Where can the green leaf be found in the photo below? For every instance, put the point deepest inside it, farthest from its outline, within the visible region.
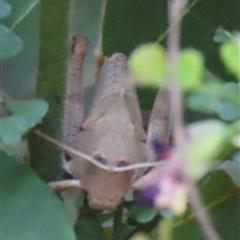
(202, 101)
(141, 214)
(30, 210)
(165, 229)
(140, 236)
(216, 186)
(127, 231)
(18, 150)
(20, 10)
(205, 139)
(232, 168)
(21, 85)
(236, 138)
(228, 92)
(148, 66)
(79, 202)
(88, 227)
(226, 221)
(32, 110)
(214, 94)
(221, 198)
(11, 44)
(230, 54)
(236, 157)
(128, 24)
(190, 69)
(228, 110)
(5, 9)
(27, 113)
(12, 129)
(222, 36)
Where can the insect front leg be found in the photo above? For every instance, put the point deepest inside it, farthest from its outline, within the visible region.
(74, 106)
(159, 130)
(159, 127)
(60, 186)
(73, 112)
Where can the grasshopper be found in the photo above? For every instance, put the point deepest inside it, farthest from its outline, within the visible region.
(112, 133)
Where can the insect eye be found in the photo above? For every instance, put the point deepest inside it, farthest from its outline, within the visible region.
(67, 157)
(122, 163)
(100, 159)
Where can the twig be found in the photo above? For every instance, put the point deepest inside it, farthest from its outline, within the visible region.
(201, 213)
(117, 223)
(165, 229)
(175, 12)
(59, 186)
(92, 160)
(98, 51)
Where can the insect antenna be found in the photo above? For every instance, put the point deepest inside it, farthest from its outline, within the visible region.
(92, 160)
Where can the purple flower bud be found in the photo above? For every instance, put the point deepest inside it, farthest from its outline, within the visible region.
(162, 151)
(146, 196)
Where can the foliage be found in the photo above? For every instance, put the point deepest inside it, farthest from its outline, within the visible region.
(208, 73)
(11, 43)
(148, 64)
(230, 52)
(29, 209)
(25, 115)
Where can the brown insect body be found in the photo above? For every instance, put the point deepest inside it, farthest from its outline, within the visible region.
(111, 140)
(112, 134)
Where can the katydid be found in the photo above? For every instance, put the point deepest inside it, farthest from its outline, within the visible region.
(112, 134)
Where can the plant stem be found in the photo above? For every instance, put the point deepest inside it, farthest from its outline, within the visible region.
(117, 223)
(53, 54)
(165, 229)
(175, 13)
(201, 213)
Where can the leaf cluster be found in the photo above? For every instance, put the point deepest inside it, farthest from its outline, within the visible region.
(208, 76)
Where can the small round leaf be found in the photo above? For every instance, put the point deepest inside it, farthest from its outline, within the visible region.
(202, 101)
(228, 111)
(32, 110)
(140, 236)
(11, 44)
(147, 64)
(12, 129)
(26, 114)
(205, 139)
(5, 9)
(222, 36)
(190, 69)
(230, 54)
(236, 141)
(142, 214)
